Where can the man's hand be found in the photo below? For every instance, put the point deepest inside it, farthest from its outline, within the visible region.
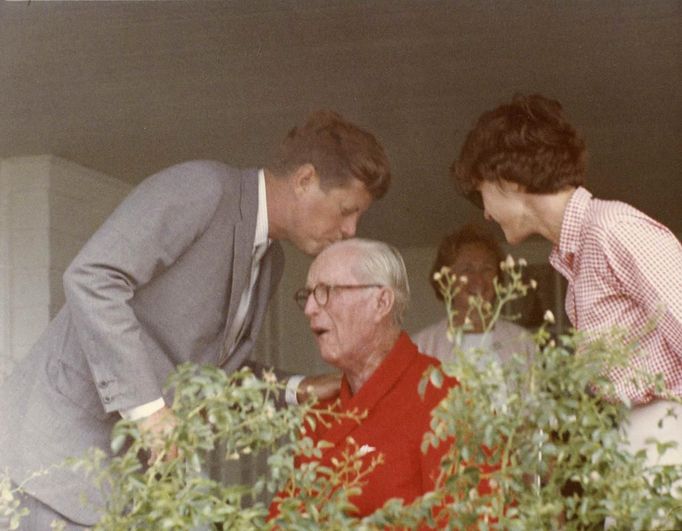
(157, 427)
(324, 386)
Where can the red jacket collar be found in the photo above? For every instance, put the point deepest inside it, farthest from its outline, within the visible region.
(375, 388)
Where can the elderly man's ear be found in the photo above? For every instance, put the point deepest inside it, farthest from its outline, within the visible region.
(384, 303)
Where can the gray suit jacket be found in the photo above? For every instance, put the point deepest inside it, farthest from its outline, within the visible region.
(157, 285)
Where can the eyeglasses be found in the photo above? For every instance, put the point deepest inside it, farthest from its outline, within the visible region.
(321, 292)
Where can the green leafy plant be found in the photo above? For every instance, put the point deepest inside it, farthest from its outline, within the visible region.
(541, 431)
(236, 413)
(546, 426)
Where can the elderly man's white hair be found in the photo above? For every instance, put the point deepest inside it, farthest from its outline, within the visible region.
(381, 263)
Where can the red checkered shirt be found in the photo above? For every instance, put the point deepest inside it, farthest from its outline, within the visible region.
(624, 270)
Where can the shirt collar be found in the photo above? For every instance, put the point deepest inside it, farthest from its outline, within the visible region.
(261, 237)
(382, 380)
(572, 223)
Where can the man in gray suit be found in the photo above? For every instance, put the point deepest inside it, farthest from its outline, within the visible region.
(181, 271)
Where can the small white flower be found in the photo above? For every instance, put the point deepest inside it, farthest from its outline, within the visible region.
(594, 476)
(365, 449)
(234, 456)
(269, 377)
(463, 279)
(549, 317)
(247, 450)
(510, 261)
(436, 276)
(5, 495)
(522, 262)
(533, 283)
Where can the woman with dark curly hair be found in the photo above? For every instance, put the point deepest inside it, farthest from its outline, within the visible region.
(526, 165)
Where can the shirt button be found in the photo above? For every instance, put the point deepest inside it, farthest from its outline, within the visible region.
(107, 399)
(103, 384)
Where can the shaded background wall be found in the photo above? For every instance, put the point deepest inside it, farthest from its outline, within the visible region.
(94, 96)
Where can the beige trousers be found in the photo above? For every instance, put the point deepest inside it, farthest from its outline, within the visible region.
(643, 425)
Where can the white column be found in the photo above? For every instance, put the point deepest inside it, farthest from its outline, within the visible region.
(49, 208)
(4, 275)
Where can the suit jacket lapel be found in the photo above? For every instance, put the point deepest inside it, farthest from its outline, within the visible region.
(375, 389)
(242, 248)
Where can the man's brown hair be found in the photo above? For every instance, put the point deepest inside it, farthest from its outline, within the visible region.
(529, 142)
(339, 151)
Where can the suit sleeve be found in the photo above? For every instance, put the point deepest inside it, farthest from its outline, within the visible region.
(144, 236)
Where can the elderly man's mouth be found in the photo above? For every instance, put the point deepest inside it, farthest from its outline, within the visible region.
(319, 332)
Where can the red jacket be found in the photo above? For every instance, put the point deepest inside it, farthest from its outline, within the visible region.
(397, 418)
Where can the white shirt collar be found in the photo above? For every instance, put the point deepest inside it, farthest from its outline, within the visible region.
(261, 237)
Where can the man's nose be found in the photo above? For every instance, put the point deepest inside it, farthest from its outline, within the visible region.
(311, 306)
(349, 226)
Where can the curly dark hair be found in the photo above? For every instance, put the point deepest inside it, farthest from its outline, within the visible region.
(527, 141)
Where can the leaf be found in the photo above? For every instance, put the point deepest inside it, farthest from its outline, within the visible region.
(117, 443)
(436, 378)
(421, 389)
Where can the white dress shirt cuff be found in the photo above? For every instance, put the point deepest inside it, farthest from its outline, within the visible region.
(140, 412)
(292, 386)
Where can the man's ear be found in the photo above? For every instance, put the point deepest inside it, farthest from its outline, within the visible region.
(305, 178)
(385, 303)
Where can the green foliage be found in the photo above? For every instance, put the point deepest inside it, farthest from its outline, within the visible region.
(541, 431)
(234, 412)
(10, 511)
(555, 455)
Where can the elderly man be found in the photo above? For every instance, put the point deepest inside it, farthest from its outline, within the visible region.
(527, 164)
(181, 271)
(355, 297)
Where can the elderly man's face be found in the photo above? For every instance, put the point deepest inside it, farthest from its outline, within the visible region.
(345, 326)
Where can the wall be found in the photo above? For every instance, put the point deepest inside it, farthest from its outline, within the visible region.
(48, 208)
